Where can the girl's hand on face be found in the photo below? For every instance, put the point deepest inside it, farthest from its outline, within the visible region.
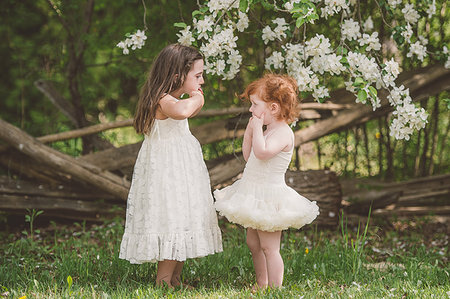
(257, 122)
(196, 92)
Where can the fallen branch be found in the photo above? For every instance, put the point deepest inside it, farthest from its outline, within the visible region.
(80, 171)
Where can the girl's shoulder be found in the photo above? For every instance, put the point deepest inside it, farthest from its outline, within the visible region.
(168, 97)
(283, 132)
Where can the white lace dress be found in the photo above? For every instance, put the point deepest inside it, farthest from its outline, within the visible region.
(262, 200)
(170, 212)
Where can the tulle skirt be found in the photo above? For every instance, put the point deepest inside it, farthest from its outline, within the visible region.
(266, 207)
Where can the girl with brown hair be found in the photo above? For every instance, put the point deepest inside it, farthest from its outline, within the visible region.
(170, 215)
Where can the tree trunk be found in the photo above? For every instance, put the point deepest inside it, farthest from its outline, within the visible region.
(389, 153)
(380, 148)
(435, 120)
(426, 142)
(366, 146)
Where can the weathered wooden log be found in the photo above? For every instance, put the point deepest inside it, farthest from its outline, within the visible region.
(373, 200)
(25, 188)
(321, 186)
(225, 168)
(413, 211)
(51, 158)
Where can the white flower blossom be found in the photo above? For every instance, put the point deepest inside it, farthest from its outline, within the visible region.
(368, 24)
(407, 33)
(361, 65)
(282, 26)
(242, 24)
(418, 50)
(392, 70)
(185, 36)
(397, 94)
(333, 64)
(370, 40)
(204, 26)
(408, 118)
(333, 7)
(276, 60)
(138, 39)
(394, 3)
(411, 15)
(135, 41)
(318, 46)
(217, 5)
(268, 35)
(431, 10)
(290, 4)
(349, 86)
(278, 33)
(350, 30)
(320, 92)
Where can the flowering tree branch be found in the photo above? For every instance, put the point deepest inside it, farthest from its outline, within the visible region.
(357, 59)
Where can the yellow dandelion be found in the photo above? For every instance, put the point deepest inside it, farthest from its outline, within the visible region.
(377, 135)
(306, 250)
(23, 297)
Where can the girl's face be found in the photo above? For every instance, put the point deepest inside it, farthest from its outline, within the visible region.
(259, 107)
(194, 78)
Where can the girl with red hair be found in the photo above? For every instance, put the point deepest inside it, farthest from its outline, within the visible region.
(261, 201)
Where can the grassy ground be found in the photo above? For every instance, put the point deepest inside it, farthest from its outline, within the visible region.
(399, 259)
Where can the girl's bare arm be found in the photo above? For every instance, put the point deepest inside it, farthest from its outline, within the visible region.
(183, 108)
(247, 142)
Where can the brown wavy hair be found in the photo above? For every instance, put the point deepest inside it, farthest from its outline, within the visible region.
(174, 59)
(281, 89)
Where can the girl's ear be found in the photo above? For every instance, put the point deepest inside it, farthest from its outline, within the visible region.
(274, 108)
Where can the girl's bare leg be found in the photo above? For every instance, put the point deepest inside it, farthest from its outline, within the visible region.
(176, 276)
(270, 245)
(259, 259)
(165, 272)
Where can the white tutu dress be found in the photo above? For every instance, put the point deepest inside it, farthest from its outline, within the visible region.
(170, 212)
(262, 200)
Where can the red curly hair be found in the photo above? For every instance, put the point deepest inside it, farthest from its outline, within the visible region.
(281, 89)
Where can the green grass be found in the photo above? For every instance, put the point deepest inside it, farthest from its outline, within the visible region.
(77, 261)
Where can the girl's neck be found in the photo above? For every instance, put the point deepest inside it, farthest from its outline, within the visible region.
(176, 94)
(276, 123)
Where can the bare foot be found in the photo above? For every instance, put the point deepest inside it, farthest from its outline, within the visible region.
(256, 288)
(177, 283)
(164, 284)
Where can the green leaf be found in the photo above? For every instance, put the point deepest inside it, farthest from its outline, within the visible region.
(243, 5)
(196, 12)
(180, 25)
(358, 81)
(373, 92)
(362, 95)
(299, 22)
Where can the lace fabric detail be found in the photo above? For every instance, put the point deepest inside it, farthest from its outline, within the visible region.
(170, 213)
